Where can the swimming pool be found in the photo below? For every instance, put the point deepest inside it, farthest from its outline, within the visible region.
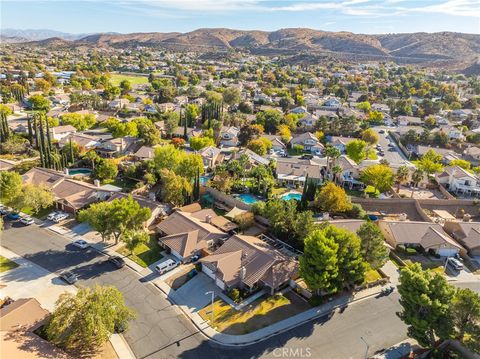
(247, 198)
(292, 195)
(204, 179)
(80, 172)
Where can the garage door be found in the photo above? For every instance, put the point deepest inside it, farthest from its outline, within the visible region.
(177, 255)
(220, 283)
(208, 271)
(447, 252)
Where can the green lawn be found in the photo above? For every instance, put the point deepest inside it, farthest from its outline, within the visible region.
(145, 253)
(6, 264)
(126, 184)
(259, 314)
(42, 213)
(371, 275)
(115, 79)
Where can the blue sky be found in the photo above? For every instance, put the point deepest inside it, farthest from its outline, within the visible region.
(359, 16)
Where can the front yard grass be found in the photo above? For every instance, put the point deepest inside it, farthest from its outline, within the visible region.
(259, 314)
(425, 262)
(371, 275)
(144, 254)
(6, 264)
(115, 79)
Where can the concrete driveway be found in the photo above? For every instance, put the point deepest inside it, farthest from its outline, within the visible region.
(192, 294)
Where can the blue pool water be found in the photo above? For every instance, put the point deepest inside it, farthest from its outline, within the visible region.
(296, 196)
(248, 198)
(204, 180)
(80, 171)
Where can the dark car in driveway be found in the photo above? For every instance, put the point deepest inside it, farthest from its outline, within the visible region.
(69, 277)
(117, 261)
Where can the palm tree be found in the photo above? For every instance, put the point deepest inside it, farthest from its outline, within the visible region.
(332, 153)
(401, 176)
(336, 170)
(417, 176)
(92, 156)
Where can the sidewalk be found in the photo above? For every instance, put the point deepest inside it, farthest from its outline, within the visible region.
(235, 340)
(267, 332)
(30, 280)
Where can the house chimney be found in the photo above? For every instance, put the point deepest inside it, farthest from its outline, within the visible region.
(402, 217)
(208, 218)
(467, 217)
(66, 170)
(96, 183)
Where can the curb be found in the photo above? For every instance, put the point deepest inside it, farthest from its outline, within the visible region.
(280, 331)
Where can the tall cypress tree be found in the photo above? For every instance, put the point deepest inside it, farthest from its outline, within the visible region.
(30, 132)
(43, 146)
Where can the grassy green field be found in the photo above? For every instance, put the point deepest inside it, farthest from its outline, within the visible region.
(144, 254)
(115, 79)
(6, 264)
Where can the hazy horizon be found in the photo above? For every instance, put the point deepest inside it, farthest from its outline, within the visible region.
(129, 16)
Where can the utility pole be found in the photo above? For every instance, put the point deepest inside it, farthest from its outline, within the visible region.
(368, 347)
(213, 314)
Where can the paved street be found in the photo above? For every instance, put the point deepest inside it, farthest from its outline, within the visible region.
(392, 154)
(160, 332)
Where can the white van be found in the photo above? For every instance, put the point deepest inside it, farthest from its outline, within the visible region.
(166, 266)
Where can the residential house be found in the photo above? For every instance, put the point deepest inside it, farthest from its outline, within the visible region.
(458, 180)
(81, 139)
(187, 234)
(353, 225)
(70, 195)
(191, 132)
(425, 235)
(409, 121)
(118, 103)
(18, 322)
(116, 146)
(295, 171)
(308, 121)
(331, 104)
(144, 153)
(465, 233)
(166, 107)
(472, 154)
(298, 110)
(229, 136)
(309, 142)
(211, 156)
(350, 173)
(248, 263)
(59, 132)
(340, 143)
(253, 158)
(277, 143)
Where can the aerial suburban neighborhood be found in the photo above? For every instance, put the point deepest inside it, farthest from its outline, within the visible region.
(180, 195)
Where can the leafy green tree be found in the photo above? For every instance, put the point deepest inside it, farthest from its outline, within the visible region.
(258, 146)
(98, 217)
(175, 188)
(364, 106)
(106, 170)
(465, 308)
(128, 216)
(249, 132)
(374, 251)
(466, 165)
(270, 120)
(357, 150)
(231, 96)
(319, 263)
(425, 301)
(333, 199)
(430, 162)
(39, 103)
(370, 136)
(147, 131)
(171, 122)
(191, 113)
(79, 121)
(379, 176)
(125, 86)
(133, 239)
(33, 197)
(197, 142)
(10, 186)
(86, 320)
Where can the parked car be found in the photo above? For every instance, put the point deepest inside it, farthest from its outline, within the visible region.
(80, 243)
(13, 216)
(69, 277)
(166, 266)
(306, 157)
(194, 258)
(52, 215)
(27, 220)
(455, 263)
(381, 131)
(60, 217)
(117, 261)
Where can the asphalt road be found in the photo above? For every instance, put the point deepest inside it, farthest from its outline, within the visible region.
(393, 155)
(161, 332)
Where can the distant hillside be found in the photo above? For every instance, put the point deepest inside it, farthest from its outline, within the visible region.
(38, 34)
(445, 47)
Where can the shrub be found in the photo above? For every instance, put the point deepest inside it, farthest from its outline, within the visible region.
(357, 211)
(411, 251)
(234, 295)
